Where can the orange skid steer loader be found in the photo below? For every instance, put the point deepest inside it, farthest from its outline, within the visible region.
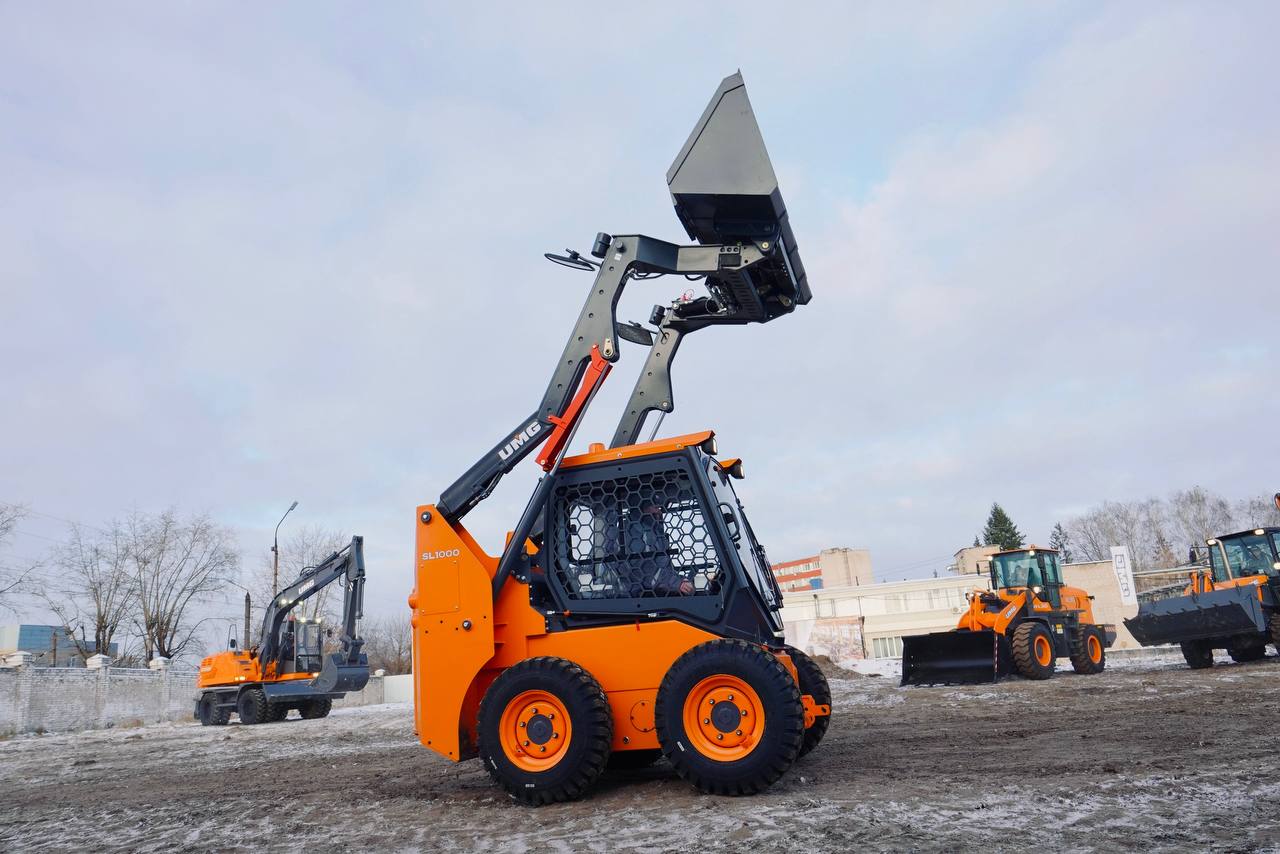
(632, 612)
(1023, 624)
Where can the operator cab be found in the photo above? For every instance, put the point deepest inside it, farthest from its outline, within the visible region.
(1245, 554)
(1032, 568)
(301, 642)
(654, 531)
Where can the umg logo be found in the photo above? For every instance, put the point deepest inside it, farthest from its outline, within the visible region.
(440, 554)
(534, 428)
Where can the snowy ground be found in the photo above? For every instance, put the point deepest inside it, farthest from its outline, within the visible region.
(1145, 756)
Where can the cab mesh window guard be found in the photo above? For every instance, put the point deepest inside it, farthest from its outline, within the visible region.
(637, 536)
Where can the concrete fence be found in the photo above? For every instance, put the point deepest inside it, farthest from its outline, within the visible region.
(64, 699)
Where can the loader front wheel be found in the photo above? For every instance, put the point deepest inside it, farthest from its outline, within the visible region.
(1243, 652)
(1033, 652)
(1274, 625)
(1088, 651)
(814, 683)
(252, 707)
(545, 730)
(1198, 654)
(316, 709)
(729, 717)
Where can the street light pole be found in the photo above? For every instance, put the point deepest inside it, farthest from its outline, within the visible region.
(275, 551)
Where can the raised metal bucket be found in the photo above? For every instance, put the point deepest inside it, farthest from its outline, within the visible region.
(339, 676)
(1216, 614)
(955, 658)
(725, 192)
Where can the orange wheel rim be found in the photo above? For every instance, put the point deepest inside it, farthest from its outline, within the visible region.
(1095, 649)
(1043, 650)
(535, 731)
(723, 718)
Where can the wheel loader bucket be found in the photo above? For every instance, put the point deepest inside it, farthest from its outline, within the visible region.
(725, 192)
(955, 658)
(1216, 614)
(338, 676)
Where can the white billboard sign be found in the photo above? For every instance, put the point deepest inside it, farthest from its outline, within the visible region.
(1122, 564)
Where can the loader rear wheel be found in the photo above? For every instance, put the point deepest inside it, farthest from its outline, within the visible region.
(252, 707)
(729, 717)
(544, 730)
(1274, 625)
(1033, 653)
(1241, 653)
(814, 683)
(1088, 651)
(1198, 654)
(318, 708)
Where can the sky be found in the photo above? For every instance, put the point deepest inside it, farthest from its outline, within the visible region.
(251, 255)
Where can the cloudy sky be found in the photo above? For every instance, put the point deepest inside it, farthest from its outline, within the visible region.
(252, 255)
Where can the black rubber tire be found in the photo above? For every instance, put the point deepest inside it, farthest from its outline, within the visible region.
(205, 710)
(1080, 660)
(585, 756)
(1274, 625)
(317, 708)
(813, 682)
(779, 696)
(1241, 653)
(1198, 654)
(632, 760)
(1024, 659)
(277, 712)
(252, 707)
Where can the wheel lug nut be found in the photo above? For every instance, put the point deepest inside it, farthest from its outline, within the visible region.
(739, 732)
(711, 701)
(522, 725)
(730, 696)
(744, 713)
(551, 717)
(543, 748)
(720, 737)
(526, 743)
(706, 720)
(535, 710)
(555, 735)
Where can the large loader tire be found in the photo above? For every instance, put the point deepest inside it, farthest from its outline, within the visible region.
(1033, 652)
(813, 682)
(1198, 654)
(315, 709)
(729, 717)
(1274, 625)
(545, 730)
(277, 712)
(1089, 650)
(252, 707)
(1247, 651)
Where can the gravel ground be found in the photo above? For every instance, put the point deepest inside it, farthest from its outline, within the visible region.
(1141, 757)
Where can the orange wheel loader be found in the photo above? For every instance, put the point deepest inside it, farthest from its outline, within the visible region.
(1023, 624)
(631, 613)
(288, 668)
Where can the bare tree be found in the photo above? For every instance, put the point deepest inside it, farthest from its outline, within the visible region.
(95, 590)
(1138, 524)
(304, 547)
(388, 642)
(11, 577)
(176, 565)
(1197, 514)
(1256, 512)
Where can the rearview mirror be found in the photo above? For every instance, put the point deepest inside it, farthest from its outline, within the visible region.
(231, 643)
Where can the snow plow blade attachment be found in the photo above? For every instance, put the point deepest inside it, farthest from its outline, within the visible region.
(725, 192)
(1215, 614)
(955, 658)
(339, 677)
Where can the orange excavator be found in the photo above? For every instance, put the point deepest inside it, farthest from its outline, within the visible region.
(1023, 624)
(288, 668)
(631, 613)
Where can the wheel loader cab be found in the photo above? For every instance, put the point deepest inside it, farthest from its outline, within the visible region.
(1246, 554)
(657, 534)
(1029, 568)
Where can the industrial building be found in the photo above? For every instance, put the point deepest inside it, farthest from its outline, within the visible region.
(50, 646)
(839, 567)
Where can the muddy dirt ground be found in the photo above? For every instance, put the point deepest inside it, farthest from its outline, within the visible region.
(1141, 757)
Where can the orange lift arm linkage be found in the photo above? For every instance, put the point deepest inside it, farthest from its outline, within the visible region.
(597, 370)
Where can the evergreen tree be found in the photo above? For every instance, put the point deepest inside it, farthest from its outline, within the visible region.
(976, 544)
(1059, 539)
(1000, 530)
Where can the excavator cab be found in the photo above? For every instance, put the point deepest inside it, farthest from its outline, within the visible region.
(302, 646)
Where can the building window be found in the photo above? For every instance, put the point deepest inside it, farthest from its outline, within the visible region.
(886, 647)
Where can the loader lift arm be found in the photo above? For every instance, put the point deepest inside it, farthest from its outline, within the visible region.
(746, 251)
(346, 564)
